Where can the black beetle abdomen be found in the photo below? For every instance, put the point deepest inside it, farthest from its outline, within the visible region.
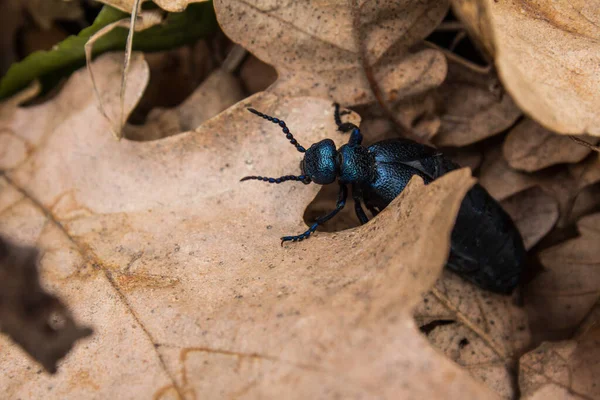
(486, 247)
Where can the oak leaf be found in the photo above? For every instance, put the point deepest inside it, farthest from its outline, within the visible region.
(178, 266)
(547, 54)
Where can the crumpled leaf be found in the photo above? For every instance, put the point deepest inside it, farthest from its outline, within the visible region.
(565, 370)
(470, 109)
(560, 297)
(502, 181)
(481, 331)
(34, 319)
(547, 54)
(317, 53)
(531, 147)
(534, 212)
(179, 267)
(218, 92)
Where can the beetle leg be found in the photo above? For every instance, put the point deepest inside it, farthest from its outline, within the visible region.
(341, 202)
(373, 210)
(355, 135)
(301, 178)
(357, 197)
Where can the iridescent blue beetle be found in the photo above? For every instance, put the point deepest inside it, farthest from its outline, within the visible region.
(486, 247)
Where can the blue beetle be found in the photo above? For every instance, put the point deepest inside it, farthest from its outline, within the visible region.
(486, 247)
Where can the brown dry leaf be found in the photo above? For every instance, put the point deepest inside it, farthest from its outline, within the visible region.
(502, 182)
(588, 172)
(565, 370)
(481, 331)
(167, 5)
(217, 93)
(531, 147)
(35, 320)
(547, 54)
(560, 297)
(534, 212)
(257, 75)
(178, 265)
(470, 109)
(45, 12)
(314, 45)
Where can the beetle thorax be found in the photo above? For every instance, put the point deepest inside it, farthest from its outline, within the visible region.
(356, 164)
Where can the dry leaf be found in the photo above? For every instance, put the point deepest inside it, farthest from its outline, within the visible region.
(531, 147)
(560, 297)
(564, 370)
(588, 172)
(35, 320)
(314, 48)
(465, 157)
(45, 12)
(547, 54)
(481, 331)
(470, 110)
(502, 182)
(168, 5)
(257, 75)
(179, 267)
(174, 75)
(534, 212)
(218, 92)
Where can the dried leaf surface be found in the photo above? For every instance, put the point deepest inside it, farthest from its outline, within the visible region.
(471, 110)
(548, 57)
(483, 332)
(179, 267)
(502, 181)
(534, 212)
(564, 370)
(314, 45)
(531, 147)
(560, 297)
(218, 92)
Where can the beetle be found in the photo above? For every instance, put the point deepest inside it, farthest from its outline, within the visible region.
(486, 247)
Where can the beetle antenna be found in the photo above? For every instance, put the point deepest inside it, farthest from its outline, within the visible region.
(283, 126)
(301, 178)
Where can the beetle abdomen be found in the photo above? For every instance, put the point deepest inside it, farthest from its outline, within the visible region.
(486, 247)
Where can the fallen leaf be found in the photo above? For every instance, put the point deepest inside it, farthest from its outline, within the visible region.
(470, 111)
(316, 51)
(531, 147)
(502, 181)
(218, 92)
(465, 157)
(168, 5)
(481, 331)
(534, 212)
(34, 319)
(547, 54)
(178, 265)
(565, 370)
(45, 12)
(257, 75)
(560, 297)
(588, 172)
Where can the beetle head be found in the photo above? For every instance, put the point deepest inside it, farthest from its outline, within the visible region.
(320, 162)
